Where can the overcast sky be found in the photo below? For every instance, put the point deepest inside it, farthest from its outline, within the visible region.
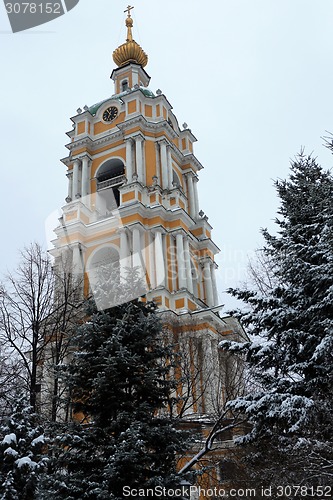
(252, 78)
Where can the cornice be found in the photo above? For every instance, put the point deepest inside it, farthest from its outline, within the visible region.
(135, 225)
(159, 229)
(156, 210)
(181, 231)
(210, 315)
(193, 159)
(162, 97)
(108, 138)
(189, 133)
(94, 143)
(204, 313)
(158, 126)
(124, 69)
(78, 231)
(66, 161)
(84, 141)
(208, 243)
(115, 135)
(203, 223)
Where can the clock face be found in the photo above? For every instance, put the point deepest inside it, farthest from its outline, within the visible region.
(110, 114)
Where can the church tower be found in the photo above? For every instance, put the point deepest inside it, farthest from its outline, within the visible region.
(133, 202)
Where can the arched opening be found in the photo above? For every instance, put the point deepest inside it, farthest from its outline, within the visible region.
(104, 276)
(124, 85)
(110, 170)
(175, 179)
(106, 256)
(170, 123)
(110, 176)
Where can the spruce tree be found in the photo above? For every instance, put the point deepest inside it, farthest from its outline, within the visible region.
(22, 452)
(120, 385)
(291, 355)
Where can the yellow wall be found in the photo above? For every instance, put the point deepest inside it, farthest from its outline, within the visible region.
(103, 127)
(150, 161)
(81, 127)
(180, 303)
(148, 111)
(128, 196)
(132, 106)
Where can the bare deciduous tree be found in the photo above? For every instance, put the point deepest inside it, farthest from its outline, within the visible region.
(66, 313)
(38, 307)
(207, 378)
(261, 272)
(26, 300)
(10, 378)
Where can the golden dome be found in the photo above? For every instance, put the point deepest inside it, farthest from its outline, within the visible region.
(130, 51)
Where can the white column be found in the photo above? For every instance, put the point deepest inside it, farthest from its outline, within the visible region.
(85, 176)
(70, 187)
(201, 283)
(190, 196)
(181, 261)
(187, 257)
(139, 158)
(77, 266)
(170, 176)
(164, 165)
(76, 187)
(124, 253)
(142, 253)
(159, 259)
(195, 281)
(215, 294)
(165, 259)
(173, 262)
(196, 198)
(209, 375)
(152, 277)
(129, 160)
(208, 283)
(136, 256)
(158, 164)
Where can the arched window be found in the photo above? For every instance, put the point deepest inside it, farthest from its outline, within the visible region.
(104, 276)
(170, 123)
(105, 256)
(124, 85)
(175, 179)
(110, 169)
(110, 175)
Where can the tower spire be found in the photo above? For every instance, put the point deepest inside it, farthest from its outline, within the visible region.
(130, 51)
(129, 24)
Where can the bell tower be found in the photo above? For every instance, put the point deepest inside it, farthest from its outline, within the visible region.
(133, 200)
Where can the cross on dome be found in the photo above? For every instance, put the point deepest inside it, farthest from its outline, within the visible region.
(128, 10)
